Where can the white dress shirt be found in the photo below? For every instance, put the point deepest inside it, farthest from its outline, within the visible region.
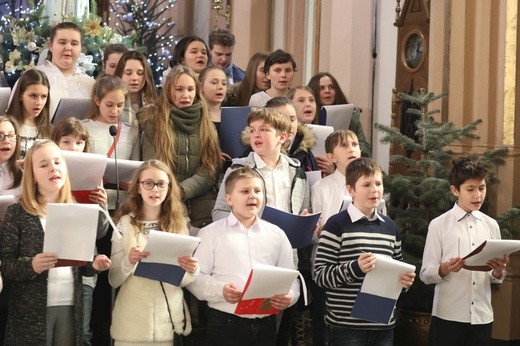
(464, 296)
(327, 195)
(278, 182)
(227, 253)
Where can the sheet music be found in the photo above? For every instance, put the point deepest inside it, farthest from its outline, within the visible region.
(321, 132)
(489, 249)
(126, 169)
(165, 247)
(85, 169)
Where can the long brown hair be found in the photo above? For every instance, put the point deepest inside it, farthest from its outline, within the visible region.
(148, 92)
(172, 218)
(103, 86)
(29, 197)
(314, 84)
(16, 109)
(248, 86)
(14, 168)
(164, 139)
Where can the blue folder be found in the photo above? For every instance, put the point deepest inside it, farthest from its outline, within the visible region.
(373, 308)
(232, 121)
(299, 229)
(168, 273)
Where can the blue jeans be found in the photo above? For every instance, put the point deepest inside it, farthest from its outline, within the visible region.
(359, 337)
(88, 293)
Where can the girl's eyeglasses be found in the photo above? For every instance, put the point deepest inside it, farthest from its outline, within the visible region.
(10, 137)
(150, 184)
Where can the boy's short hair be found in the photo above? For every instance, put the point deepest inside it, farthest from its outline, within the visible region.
(279, 101)
(244, 172)
(270, 116)
(278, 57)
(465, 168)
(222, 37)
(338, 137)
(362, 167)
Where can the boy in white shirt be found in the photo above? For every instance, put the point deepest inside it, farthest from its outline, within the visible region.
(328, 194)
(229, 248)
(462, 312)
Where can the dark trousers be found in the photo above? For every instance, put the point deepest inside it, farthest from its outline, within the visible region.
(360, 337)
(319, 329)
(229, 330)
(449, 333)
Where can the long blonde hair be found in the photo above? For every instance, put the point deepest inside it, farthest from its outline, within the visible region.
(165, 130)
(172, 218)
(29, 197)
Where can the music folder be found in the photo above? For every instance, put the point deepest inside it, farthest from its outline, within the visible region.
(165, 248)
(264, 282)
(5, 93)
(233, 120)
(77, 107)
(381, 287)
(337, 116)
(298, 228)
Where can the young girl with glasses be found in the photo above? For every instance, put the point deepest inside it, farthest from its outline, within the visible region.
(11, 174)
(148, 312)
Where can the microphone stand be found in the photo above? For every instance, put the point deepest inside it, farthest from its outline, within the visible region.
(113, 132)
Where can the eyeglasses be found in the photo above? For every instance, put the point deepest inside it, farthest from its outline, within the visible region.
(10, 137)
(150, 184)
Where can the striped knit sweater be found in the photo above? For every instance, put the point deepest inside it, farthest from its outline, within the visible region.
(337, 270)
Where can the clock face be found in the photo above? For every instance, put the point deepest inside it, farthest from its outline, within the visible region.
(414, 50)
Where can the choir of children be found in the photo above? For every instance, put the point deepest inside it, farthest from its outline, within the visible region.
(175, 191)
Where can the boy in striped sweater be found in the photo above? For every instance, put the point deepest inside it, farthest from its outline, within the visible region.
(345, 254)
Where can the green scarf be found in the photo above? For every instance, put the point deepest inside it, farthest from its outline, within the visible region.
(187, 119)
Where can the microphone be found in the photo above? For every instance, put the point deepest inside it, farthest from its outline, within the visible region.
(113, 132)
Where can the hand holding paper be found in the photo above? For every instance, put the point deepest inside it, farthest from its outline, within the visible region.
(136, 254)
(381, 287)
(166, 257)
(490, 249)
(43, 261)
(265, 283)
(231, 294)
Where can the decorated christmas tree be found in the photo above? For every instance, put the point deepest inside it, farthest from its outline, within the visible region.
(148, 29)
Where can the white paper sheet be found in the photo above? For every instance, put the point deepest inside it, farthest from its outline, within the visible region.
(268, 281)
(85, 169)
(126, 169)
(338, 116)
(321, 132)
(313, 177)
(70, 230)
(383, 281)
(493, 248)
(167, 247)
